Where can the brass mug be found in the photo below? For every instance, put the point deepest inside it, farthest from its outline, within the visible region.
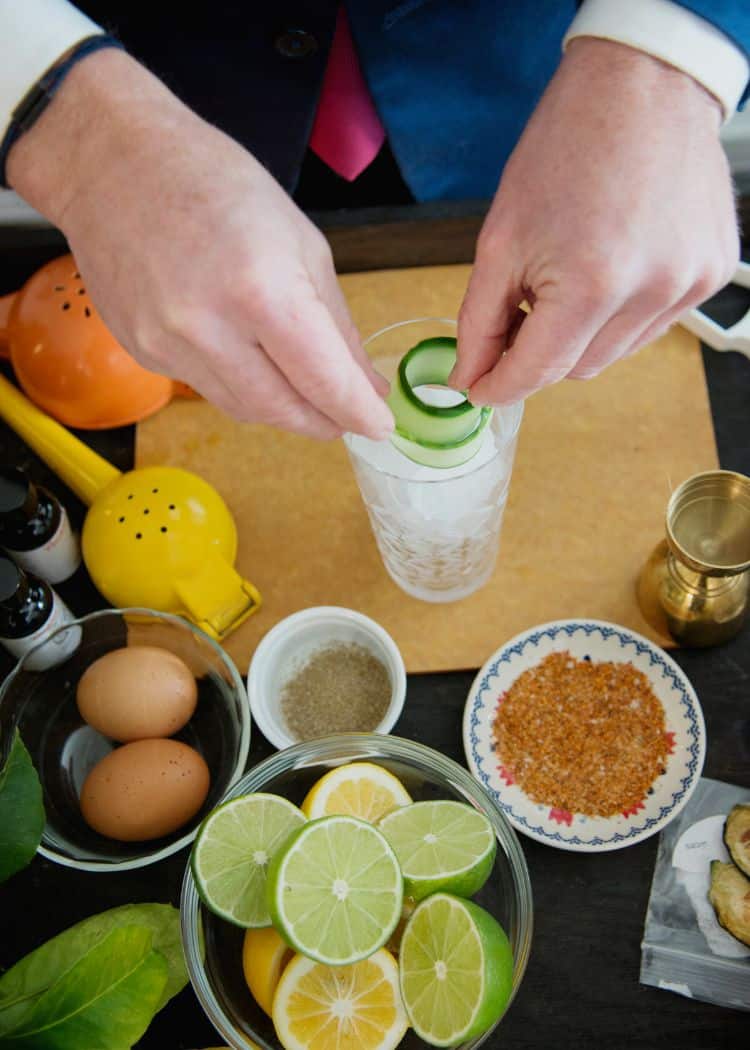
(695, 585)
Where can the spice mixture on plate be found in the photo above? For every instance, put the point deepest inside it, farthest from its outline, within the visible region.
(341, 688)
(580, 736)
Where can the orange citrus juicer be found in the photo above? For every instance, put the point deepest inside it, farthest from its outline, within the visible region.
(66, 359)
(157, 537)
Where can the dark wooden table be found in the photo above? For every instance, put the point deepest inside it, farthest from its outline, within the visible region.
(581, 989)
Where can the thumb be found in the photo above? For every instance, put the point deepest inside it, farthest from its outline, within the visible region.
(550, 342)
(487, 321)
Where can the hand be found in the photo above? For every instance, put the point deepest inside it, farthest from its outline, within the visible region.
(614, 215)
(201, 266)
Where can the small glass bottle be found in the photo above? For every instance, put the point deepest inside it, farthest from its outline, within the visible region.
(31, 611)
(35, 529)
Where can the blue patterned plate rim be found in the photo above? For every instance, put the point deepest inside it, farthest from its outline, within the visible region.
(584, 834)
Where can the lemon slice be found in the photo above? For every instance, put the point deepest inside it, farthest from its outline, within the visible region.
(335, 890)
(355, 1007)
(456, 968)
(264, 956)
(441, 845)
(231, 854)
(357, 789)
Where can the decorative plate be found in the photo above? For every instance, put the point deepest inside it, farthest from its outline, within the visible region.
(599, 642)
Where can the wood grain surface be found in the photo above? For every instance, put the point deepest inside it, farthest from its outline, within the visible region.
(595, 465)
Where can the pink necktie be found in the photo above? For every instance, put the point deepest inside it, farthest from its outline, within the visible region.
(347, 133)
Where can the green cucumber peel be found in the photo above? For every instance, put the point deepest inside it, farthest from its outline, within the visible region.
(433, 435)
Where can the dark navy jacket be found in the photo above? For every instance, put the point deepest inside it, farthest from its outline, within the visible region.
(454, 81)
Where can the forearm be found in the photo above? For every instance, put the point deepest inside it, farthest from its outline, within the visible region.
(106, 104)
(675, 35)
(634, 81)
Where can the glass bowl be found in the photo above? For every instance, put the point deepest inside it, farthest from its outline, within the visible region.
(213, 947)
(41, 704)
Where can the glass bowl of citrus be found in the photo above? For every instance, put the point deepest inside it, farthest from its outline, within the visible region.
(356, 892)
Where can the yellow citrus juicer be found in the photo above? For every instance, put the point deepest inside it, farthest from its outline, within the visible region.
(157, 537)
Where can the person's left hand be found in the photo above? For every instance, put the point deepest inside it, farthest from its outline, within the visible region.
(615, 214)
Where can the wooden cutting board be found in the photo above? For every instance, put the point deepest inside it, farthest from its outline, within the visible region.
(595, 465)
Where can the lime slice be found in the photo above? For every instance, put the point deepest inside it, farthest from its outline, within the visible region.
(231, 853)
(335, 890)
(441, 845)
(456, 969)
(356, 789)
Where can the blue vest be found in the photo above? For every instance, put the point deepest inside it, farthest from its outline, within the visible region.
(454, 81)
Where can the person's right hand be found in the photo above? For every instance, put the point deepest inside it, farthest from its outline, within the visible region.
(199, 263)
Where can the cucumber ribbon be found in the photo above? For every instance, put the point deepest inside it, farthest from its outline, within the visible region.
(433, 435)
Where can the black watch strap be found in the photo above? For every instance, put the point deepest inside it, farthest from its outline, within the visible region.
(39, 96)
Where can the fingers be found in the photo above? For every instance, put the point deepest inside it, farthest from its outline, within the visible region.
(580, 334)
(644, 318)
(276, 357)
(614, 338)
(259, 393)
(331, 294)
(305, 344)
(549, 344)
(659, 326)
(486, 322)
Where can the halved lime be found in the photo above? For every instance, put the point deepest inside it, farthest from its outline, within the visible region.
(232, 850)
(441, 845)
(456, 968)
(335, 890)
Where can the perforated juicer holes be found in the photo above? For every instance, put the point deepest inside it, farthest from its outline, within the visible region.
(66, 304)
(146, 512)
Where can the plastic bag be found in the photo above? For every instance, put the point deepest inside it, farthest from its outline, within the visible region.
(684, 949)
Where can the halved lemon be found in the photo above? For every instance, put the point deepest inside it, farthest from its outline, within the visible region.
(357, 789)
(264, 956)
(355, 1007)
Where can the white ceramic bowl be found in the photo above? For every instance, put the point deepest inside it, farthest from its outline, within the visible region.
(289, 644)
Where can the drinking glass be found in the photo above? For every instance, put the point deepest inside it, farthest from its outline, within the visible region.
(437, 530)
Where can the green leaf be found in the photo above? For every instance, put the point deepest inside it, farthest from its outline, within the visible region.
(22, 985)
(105, 1002)
(21, 811)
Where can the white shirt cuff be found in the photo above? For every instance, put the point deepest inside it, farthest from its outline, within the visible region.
(673, 34)
(33, 35)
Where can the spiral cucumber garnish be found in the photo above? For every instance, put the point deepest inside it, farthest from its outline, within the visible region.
(433, 435)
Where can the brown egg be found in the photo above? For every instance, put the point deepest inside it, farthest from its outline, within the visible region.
(137, 693)
(144, 790)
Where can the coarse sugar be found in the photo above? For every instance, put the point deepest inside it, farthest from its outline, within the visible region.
(581, 736)
(342, 687)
